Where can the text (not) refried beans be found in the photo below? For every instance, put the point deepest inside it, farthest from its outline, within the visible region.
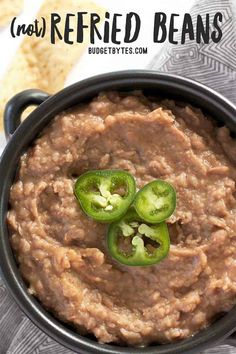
(62, 254)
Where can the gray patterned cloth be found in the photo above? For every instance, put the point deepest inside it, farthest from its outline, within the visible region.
(213, 65)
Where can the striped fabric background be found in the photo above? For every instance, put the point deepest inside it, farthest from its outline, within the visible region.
(213, 65)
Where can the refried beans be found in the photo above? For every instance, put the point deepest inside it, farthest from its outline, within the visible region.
(62, 254)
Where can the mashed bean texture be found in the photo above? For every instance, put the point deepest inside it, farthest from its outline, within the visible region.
(62, 254)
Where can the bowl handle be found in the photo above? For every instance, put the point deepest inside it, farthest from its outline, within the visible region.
(16, 106)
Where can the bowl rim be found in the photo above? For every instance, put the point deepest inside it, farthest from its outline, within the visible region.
(15, 147)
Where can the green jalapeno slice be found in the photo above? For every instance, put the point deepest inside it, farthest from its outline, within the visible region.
(156, 201)
(133, 242)
(105, 195)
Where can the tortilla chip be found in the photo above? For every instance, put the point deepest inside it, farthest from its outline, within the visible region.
(9, 9)
(40, 64)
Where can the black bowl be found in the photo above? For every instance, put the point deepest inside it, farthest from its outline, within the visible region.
(151, 83)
